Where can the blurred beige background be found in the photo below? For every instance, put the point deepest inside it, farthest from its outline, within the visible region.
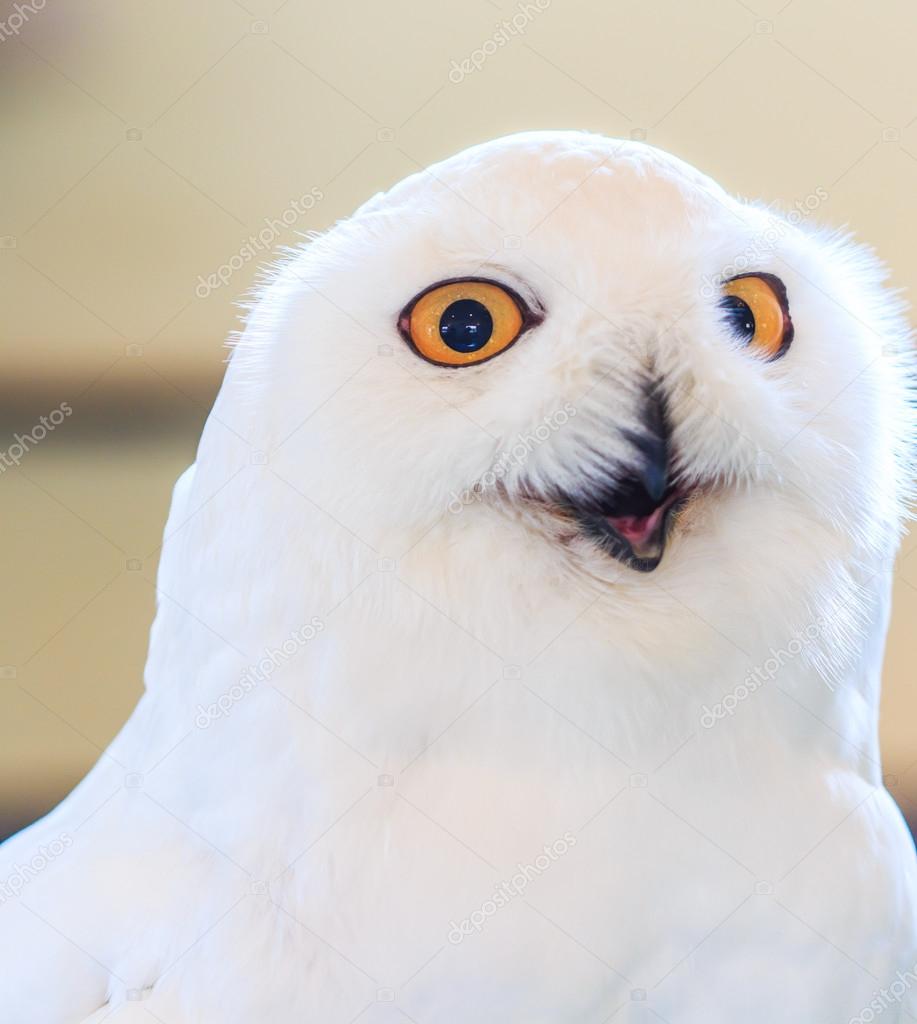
(154, 151)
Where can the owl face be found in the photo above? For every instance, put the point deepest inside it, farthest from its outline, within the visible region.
(595, 341)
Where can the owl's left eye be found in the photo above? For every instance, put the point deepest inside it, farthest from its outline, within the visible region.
(461, 323)
(756, 309)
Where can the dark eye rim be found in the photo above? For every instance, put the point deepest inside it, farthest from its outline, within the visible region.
(530, 318)
(779, 289)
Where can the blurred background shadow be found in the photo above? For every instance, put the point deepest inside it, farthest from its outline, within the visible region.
(155, 154)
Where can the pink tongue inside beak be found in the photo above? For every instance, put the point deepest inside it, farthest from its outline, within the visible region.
(638, 530)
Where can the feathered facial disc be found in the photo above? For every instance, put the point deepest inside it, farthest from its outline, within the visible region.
(594, 339)
(625, 508)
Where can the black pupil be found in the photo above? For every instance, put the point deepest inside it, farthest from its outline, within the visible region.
(738, 316)
(466, 325)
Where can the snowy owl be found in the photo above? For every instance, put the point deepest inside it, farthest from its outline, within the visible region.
(519, 634)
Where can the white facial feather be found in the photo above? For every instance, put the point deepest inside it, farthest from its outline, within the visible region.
(482, 677)
(622, 247)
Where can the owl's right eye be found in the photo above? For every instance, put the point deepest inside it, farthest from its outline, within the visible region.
(756, 310)
(462, 323)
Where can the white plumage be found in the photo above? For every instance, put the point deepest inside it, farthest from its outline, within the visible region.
(390, 671)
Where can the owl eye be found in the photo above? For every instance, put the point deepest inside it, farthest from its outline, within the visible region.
(755, 308)
(460, 323)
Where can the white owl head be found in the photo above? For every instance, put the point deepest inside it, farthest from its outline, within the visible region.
(591, 340)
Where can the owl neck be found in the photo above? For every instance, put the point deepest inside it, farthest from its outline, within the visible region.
(259, 589)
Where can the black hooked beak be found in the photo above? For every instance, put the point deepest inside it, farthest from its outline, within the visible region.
(630, 517)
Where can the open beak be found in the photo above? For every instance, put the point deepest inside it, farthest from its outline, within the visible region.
(630, 518)
(634, 526)
(631, 522)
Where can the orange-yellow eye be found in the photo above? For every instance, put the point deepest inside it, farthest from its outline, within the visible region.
(755, 308)
(460, 323)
